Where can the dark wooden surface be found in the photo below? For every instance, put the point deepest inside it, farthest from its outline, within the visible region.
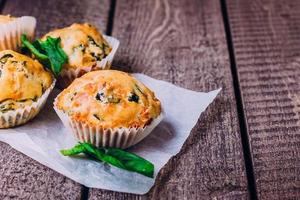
(57, 14)
(266, 39)
(185, 42)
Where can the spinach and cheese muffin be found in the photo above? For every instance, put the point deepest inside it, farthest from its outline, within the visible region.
(109, 108)
(87, 50)
(11, 29)
(25, 86)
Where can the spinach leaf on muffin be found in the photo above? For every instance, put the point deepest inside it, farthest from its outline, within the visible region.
(48, 52)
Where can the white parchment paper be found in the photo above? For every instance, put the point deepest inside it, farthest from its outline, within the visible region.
(43, 137)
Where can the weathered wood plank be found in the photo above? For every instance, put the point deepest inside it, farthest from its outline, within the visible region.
(20, 176)
(57, 14)
(266, 38)
(183, 42)
(23, 178)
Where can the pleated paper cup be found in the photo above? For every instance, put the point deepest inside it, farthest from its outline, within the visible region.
(68, 75)
(116, 137)
(10, 33)
(22, 115)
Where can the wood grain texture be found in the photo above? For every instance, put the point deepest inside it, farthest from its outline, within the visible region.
(20, 176)
(57, 14)
(266, 39)
(183, 42)
(23, 178)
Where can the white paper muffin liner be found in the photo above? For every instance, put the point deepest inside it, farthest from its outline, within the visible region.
(68, 75)
(117, 137)
(10, 33)
(22, 115)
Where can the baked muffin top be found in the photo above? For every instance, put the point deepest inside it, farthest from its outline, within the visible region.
(83, 44)
(22, 80)
(6, 18)
(109, 99)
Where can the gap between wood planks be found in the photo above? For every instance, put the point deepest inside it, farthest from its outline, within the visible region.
(239, 103)
(2, 3)
(109, 28)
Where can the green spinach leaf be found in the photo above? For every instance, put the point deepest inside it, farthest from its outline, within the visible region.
(48, 52)
(114, 156)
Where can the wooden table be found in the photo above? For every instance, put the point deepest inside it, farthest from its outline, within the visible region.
(246, 145)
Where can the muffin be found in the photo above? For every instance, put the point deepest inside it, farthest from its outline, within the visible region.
(25, 86)
(108, 108)
(11, 29)
(87, 50)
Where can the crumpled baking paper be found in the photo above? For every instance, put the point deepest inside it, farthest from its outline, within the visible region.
(43, 137)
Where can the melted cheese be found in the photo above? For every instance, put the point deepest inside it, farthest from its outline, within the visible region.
(22, 80)
(4, 19)
(109, 99)
(83, 44)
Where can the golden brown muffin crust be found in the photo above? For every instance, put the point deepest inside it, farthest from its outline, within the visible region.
(83, 44)
(22, 80)
(109, 99)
